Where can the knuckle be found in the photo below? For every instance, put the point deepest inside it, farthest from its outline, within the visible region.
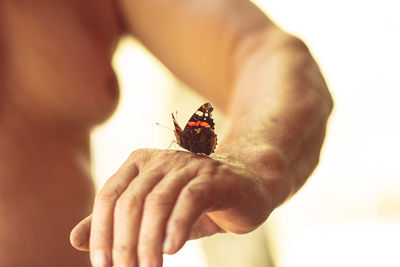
(209, 167)
(120, 249)
(137, 156)
(107, 195)
(177, 225)
(127, 202)
(137, 152)
(123, 253)
(158, 198)
(152, 172)
(163, 154)
(225, 171)
(142, 156)
(196, 192)
(213, 164)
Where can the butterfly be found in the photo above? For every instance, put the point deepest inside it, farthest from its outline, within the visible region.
(198, 136)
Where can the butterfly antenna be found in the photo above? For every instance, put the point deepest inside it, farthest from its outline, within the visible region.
(165, 127)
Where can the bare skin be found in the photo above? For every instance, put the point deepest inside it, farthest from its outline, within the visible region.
(57, 83)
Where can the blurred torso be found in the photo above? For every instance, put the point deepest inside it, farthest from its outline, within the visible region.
(56, 83)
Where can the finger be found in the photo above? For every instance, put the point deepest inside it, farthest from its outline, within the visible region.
(157, 209)
(199, 196)
(127, 217)
(203, 227)
(103, 214)
(79, 236)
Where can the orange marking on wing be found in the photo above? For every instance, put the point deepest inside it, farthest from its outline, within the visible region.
(178, 129)
(204, 124)
(198, 123)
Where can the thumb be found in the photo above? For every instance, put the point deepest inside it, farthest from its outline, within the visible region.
(79, 236)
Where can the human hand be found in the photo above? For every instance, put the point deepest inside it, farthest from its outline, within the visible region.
(159, 199)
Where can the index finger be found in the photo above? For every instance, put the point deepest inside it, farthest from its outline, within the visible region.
(103, 213)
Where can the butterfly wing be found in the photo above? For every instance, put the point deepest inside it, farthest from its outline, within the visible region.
(202, 118)
(176, 125)
(198, 135)
(199, 131)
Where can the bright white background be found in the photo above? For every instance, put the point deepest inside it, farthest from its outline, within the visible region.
(348, 214)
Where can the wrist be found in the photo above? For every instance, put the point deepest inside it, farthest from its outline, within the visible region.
(264, 163)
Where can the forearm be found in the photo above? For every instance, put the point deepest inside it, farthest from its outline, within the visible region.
(267, 82)
(279, 107)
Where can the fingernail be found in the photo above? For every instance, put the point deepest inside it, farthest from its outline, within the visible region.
(169, 245)
(100, 259)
